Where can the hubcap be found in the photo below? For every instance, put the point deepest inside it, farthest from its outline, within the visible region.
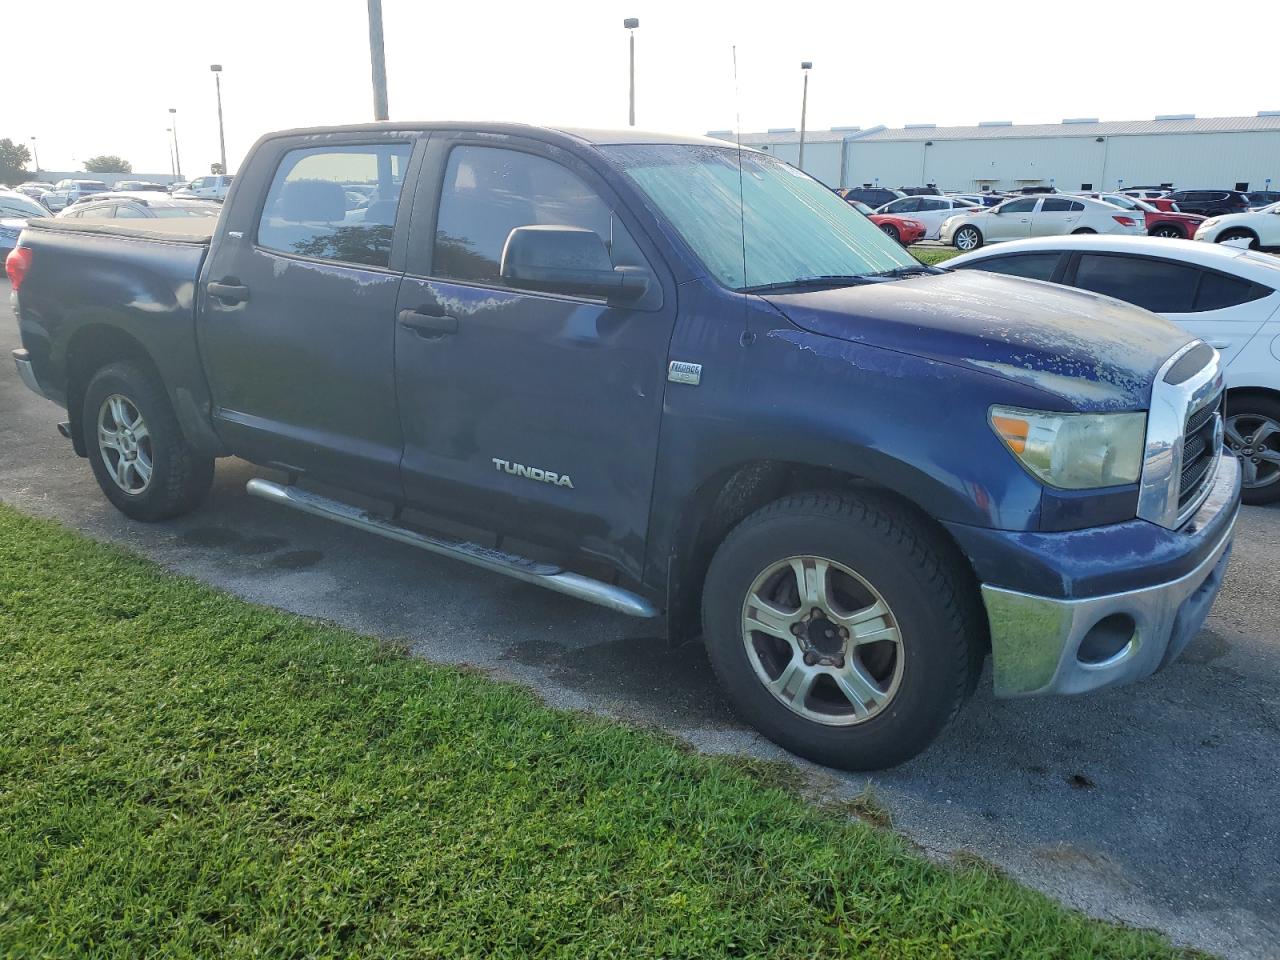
(1255, 439)
(822, 640)
(966, 240)
(125, 444)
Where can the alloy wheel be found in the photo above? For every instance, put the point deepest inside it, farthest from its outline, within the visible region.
(125, 444)
(822, 640)
(1255, 439)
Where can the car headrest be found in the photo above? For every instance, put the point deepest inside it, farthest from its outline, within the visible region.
(313, 200)
(381, 212)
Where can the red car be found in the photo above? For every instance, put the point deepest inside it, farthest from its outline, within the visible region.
(903, 229)
(1158, 221)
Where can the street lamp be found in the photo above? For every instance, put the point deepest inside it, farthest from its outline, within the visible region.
(378, 61)
(806, 66)
(177, 156)
(169, 140)
(222, 140)
(631, 23)
(36, 155)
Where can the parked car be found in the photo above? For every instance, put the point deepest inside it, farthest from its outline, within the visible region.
(35, 189)
(987, 199)
(139, 205)
(206, 188)
(873, 197)
(931, 211)
(16, 211)
(135, 186)
(902, 229)
(1040, 216)
(66, 192)
(1158, 223)
(1228, 297)
(929, 190)
(1210, 203)
(1263, 198)
(177, 185)
(850, 474)
(1261, 228)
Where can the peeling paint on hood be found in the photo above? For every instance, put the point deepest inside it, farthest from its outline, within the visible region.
(1095, 352)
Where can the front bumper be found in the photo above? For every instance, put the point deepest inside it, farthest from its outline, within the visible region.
(1043, 644)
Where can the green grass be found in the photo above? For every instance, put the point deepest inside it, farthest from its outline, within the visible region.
(185, 774)
(932, 255)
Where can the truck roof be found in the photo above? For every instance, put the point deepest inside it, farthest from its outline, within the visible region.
(593, 136)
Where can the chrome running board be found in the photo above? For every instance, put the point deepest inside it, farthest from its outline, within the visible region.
(521, 568)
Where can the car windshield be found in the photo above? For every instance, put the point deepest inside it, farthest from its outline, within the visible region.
(769, 225)
(16, 204)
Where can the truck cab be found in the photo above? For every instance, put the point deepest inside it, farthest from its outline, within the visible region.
(673, 377)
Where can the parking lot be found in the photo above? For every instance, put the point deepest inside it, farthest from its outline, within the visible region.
(1154, 805)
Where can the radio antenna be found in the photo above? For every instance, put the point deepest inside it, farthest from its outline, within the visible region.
(742, 205)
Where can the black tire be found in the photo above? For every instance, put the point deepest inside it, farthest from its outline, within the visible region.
(1245, 413)
(1239, 234)
(890, 231)
(1166, 230)
(179, 479)
(932, 597)
(1083, 230)
(967, 231)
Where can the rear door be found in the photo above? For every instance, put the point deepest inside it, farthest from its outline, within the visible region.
(932, 211)
(297, 319)
(531, 414)
(1056, 217)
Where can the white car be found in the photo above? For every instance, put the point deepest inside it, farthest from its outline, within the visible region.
(1261, 228)
(67, 192)
(206, 188)
(1227, 296)
(929, 210)
(1043, 215)
(1146, 194)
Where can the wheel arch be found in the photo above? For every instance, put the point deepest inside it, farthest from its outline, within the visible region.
(732, 494)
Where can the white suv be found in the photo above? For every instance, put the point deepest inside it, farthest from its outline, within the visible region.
(67, 192)
(206, 188)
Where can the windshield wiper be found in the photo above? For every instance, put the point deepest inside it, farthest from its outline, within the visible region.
(829, 280)
(909, 270)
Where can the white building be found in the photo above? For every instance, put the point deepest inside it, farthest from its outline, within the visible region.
(1082, 154)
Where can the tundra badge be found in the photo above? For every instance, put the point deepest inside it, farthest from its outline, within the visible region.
(533, 473)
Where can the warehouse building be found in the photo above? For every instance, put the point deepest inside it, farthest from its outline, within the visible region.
(1081, 154)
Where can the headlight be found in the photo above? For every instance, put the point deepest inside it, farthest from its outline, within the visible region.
(1074, 451)
(1212, 221)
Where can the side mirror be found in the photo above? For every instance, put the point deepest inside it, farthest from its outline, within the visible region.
(569, 260)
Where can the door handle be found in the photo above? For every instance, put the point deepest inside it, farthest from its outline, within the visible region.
(427, 326)
(1219, 344)
(228, 292)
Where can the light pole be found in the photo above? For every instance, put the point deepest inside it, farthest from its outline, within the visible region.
(35, 153)
(806, 66)
(169, 142)
(177, 155)
(222, 140)
(631, 23)
(378, 61)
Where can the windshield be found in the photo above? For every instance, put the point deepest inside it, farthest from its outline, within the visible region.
(788, 226)
(15, 204)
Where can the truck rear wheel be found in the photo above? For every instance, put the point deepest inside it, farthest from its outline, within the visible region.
(139, 456)
(842, 629)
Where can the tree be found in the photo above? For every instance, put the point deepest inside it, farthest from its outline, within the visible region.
(13, 161)
(107, 163)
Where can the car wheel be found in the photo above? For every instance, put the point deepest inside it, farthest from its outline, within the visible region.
(1167, 230)
(842, 629)
(967, 238)
(1083, 230)
(891, 232)
(1238, 234)
(1253, 435)
(136, 448)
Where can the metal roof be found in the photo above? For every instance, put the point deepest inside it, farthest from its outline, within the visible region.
(1069, 128)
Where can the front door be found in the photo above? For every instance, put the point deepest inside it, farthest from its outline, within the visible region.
(531, 414)
(1011, 220)
(298, 320)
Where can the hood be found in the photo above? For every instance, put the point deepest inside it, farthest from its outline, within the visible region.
(1094, 352)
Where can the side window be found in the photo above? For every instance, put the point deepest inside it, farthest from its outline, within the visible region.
(909, 205)
(307, 211)
(128, 210)
(930, 205)
(489, 191)
(1036, 266)
(1057, 205)
(1076, 206)
(1019, 206)
(1219, 291)
(1156, 285)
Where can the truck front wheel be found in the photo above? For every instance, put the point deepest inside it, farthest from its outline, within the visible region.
(842, 629)
(139, 456)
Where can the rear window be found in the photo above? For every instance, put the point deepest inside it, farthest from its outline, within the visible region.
(1034, 266)
(1155, 285)
(1219, 291)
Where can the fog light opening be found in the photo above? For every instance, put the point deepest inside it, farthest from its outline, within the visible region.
(1107, 639)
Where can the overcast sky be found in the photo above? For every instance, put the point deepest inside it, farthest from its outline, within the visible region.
(85, 88)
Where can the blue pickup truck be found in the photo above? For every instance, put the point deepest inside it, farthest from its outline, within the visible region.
(675, 378)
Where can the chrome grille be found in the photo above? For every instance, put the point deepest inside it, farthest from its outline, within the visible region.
(1201, 441)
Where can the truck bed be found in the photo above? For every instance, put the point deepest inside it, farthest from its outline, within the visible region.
(196, 230)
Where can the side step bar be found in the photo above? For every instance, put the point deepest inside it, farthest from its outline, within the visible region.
(521, 568)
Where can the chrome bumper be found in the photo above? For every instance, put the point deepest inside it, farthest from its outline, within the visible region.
(1036, 641)
(22, 361)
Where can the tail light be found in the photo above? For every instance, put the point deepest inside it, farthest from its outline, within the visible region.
(1125, 221)
(17, 264)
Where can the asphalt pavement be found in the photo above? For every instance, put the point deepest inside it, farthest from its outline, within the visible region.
(1155, 805)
